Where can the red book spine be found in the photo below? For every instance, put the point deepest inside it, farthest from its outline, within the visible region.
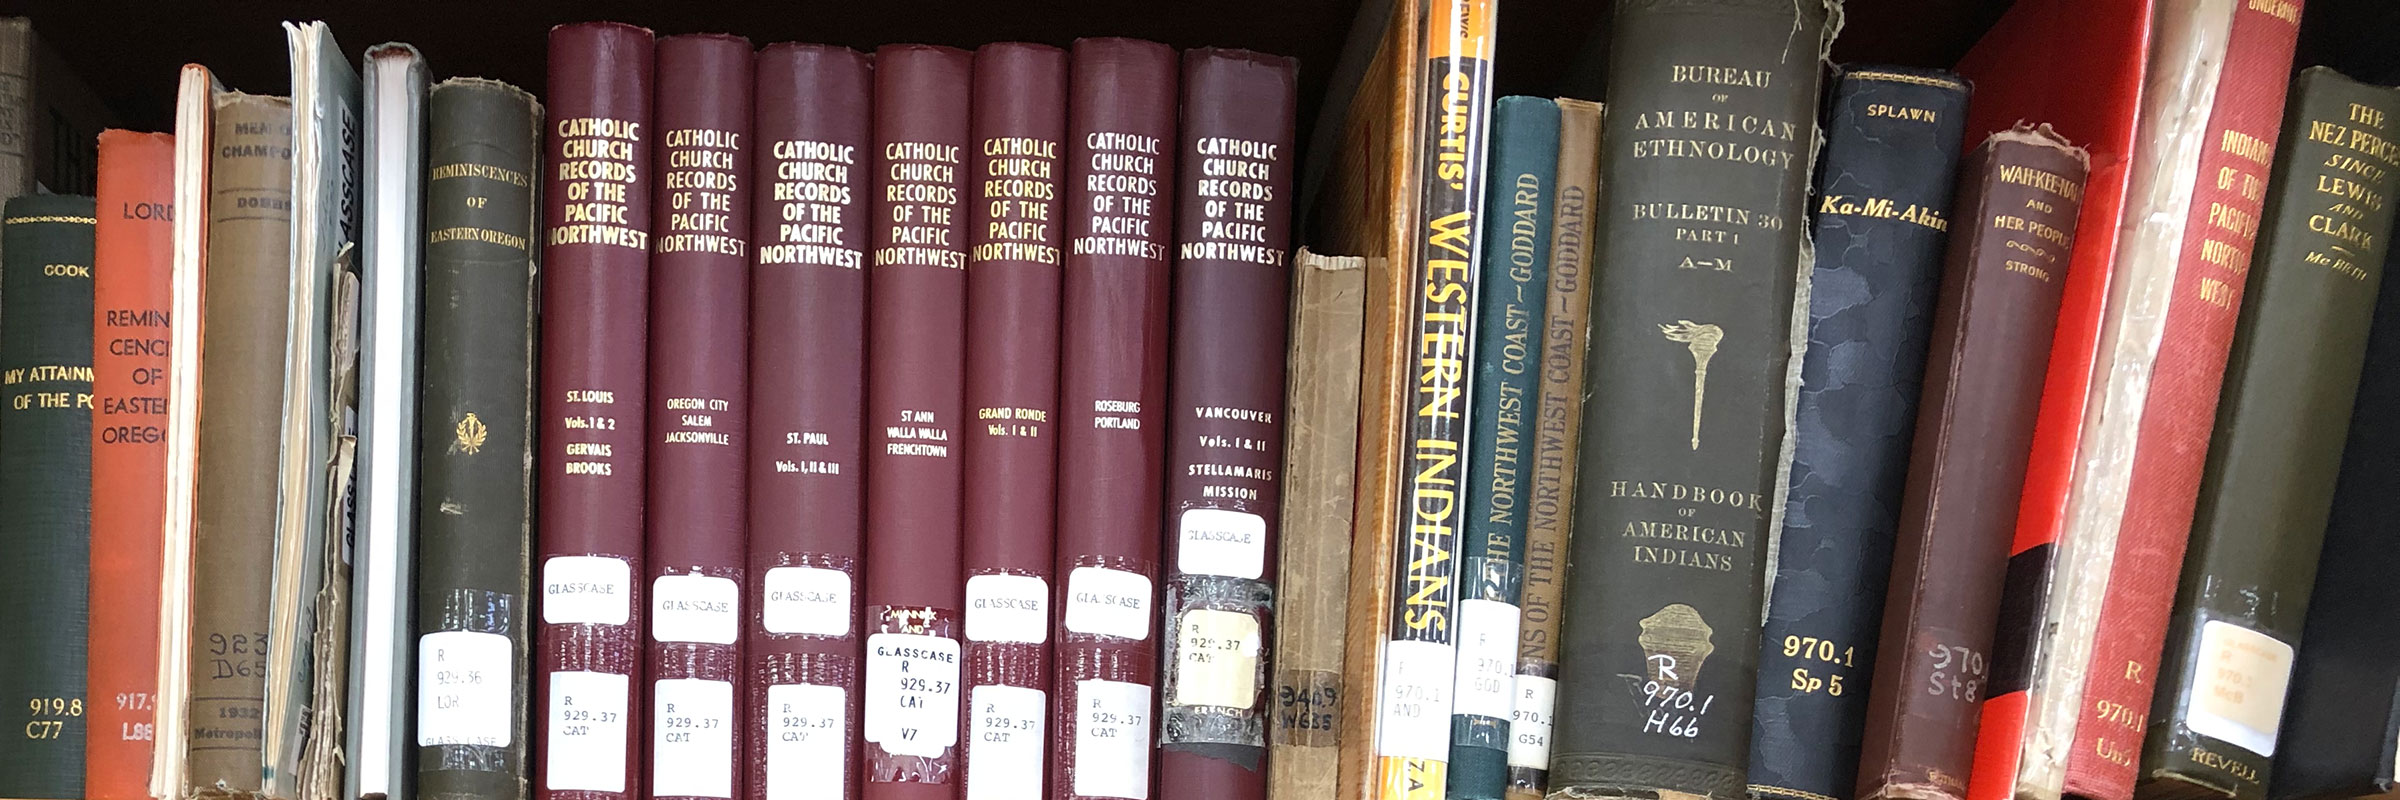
(917, 304)
(2078, 66)
(595, 324)
(131, 288)
(808, 304)
(699, 405)
(2180, 409)
(1113, 386)
(1011, 447)
(1232, 279)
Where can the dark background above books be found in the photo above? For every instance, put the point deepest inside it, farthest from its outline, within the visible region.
(128, 50)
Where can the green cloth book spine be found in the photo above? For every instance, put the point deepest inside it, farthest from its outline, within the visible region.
(1508, 343)
(46, 487)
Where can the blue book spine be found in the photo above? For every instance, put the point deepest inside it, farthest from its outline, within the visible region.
(1892, 139)
(1507, 347)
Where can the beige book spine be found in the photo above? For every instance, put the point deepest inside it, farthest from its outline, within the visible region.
(1321, 420)
(1558, 429)
(241, 374)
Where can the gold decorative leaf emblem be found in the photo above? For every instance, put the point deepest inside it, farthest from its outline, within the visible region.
(471, 433)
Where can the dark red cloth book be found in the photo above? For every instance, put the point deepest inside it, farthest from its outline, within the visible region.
(808, 318)
(1011, 443)
(2228, 193)
(1113, 396)
(916, 314)
(595, 320)
(1233, 215)
(699, 403)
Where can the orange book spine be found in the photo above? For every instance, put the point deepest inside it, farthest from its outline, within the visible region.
(131, 268)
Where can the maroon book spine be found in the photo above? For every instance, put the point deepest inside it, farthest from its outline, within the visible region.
(595, 320)
(699, 405)
(1232, 283)
(916, 315)
(808, 311)
(1112, 464)
(1011, 447)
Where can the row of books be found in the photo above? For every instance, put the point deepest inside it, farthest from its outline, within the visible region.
(1947, 410)
(854, 417)
(855, 471)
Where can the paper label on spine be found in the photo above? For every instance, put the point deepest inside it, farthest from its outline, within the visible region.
(1216, 541)
(695, 608)
(692, 725)
(1216, 659)
(1008, 608)
(1416, 700)
(1005, 757)
(587, 590)
(463, 684)
(812, 601)
(1529, 724)
(1108, 602)
(912, 693)
(1487, 659)
(2238, 693)
(805, 724)
(587, 742)
(1112, 739)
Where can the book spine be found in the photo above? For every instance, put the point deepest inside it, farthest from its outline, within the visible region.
(381, 652)
(1557, 426)
(475, 441)
(195, 109)
(699, 410)
(808, 301)
(1703, 236)
(917, 309)
(16, 92)
(2336, 738)
(1883, 214)
(1232, 285)
(595, 342)
(1420, 650)
(1113, 394)
(1313, 562)
(308, 617)
(133, 261)
(46, 484)
(1009, 494)
(1368, 207)
(2268, 484)
(1508, 345)
(2162, 482)
(2000, 293)
(233, 532)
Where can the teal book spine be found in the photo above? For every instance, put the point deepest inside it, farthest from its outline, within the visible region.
(46, 489)
(1508, 344)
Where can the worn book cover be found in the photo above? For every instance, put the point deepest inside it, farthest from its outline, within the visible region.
(1703, 251)
(474, 444)
(2018, 196)
(1320, 417)
(237, 438)
(194, 113)
(1883, 216)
